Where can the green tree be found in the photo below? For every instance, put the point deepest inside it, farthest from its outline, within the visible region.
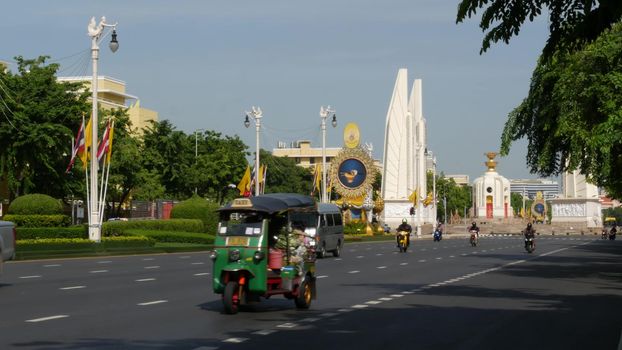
(572, 23)
(284, 175)
(38, 116)
(458, 198)
(573, 114)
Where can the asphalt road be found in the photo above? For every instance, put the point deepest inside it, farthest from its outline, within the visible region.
(445, 295)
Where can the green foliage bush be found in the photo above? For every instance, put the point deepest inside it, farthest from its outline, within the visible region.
(79, 243)
(198, 208)
(32, 204)
(38, 220)
(52, 232)
(174, 236)
(118, 228)
(354, 228)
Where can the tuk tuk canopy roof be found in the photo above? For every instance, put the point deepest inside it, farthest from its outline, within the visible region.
(274, 202)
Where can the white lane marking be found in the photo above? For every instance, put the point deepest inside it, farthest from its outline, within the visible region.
(360, 256)
(152, 302)
(310, 319)
(202, 274)
(396, 295)
(373, 302)
(104, 262)
(265, 332)
(235, 340)
(185, 257)
(197, 263)
(72, 287)
(359, 306)
(407, 292)
(385, 299)
(338, 259)
(404, 264)
(205, 348)
(381, 267)
(328, 314)
(287, 325)
(98, 271)
(379, 254)
(451, 256)
(344, 310)
(148, 259)
(52, 265)
(145, 280)
(464, 254)
(422, 260)
(439, 258)
(322, 276)
(32, 276)
(354, 271)
(47, 318)
(152, 267)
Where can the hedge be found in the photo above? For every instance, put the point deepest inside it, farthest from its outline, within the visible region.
(78, 243)
(174, 236)
(52, 232)
(198, 208)
(118, 228)
(35, 204)
(38, 220)
(353, 228)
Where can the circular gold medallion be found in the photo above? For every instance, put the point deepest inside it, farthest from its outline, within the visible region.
(351, 135)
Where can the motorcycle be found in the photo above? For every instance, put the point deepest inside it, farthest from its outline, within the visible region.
(473, 239)
(402, 241)
(612, 235)
(438, 235)
(529, 245)
(604, 235)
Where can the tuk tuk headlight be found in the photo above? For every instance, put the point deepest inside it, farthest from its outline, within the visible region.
(258, 256)
(234, 255)
(213, 255)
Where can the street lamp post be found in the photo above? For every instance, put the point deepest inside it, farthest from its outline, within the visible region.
(434, 193)
(324, 113)
(196, 152)
(95, 31)
(256, 115)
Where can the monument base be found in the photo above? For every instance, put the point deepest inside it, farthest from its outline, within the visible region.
(579, 211)
(397, 210)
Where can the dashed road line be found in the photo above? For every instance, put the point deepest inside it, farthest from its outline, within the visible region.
(201, 274)
(287, 325)
(322, 276)
(235, 340)
(145, 280)
(197, 263)
(72, 287)
(152, 267)
(354, 271)
(265, 332)
(42, 319)
(28, 277)
(98, 271)
(52, 265)
(152, 302)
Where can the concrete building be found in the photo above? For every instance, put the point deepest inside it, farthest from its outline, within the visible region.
(529, 187)
(303, 154)
(4, 66)
(111, 95)
(459, 179)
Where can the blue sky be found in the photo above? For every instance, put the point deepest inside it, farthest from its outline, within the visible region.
(201, 64)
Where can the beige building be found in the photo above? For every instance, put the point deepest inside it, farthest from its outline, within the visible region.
(303, 154)
(4, 66)
(111, 95)
(459, 179)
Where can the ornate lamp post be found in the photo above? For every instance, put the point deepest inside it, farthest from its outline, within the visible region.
(256, 115)
(324, 113)
(95, 31)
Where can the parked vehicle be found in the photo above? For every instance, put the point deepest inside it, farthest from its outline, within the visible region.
(329, 223)
(265, 245)
(7, 242)
(473, 239)
(402, 241)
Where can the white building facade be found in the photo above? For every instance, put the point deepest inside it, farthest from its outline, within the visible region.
(491, 193)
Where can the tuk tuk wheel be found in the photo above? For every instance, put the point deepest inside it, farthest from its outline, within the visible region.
(303, 299)
(231, 298)
(337, 251)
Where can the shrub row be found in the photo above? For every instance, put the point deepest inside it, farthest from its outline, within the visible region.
(79, 243)
(174, 236)
(118, 228)
(38, 220)
(52, 232)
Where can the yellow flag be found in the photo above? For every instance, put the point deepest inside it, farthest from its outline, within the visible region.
(317, 181)
(88, 140)
(413, 197)
(428, 200)
(245, 184)
(110, 136)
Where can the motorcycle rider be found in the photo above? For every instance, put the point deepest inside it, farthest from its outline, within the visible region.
(530, 232)
(404, 226)
(612, 232)
(474, 228)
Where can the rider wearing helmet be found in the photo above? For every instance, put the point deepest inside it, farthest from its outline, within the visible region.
(529, 232)
(404, 226)
(474, 228)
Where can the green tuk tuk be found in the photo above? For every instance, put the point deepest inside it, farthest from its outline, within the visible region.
(265, 245)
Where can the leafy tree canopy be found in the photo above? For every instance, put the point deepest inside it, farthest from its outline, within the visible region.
(572, 23)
